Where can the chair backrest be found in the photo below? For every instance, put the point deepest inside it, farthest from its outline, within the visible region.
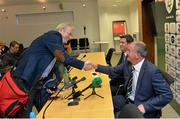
(109, 56)
(83, 43)
(167, 77)
(74, 44)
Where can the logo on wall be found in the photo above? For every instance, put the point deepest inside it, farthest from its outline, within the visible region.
(169, 5)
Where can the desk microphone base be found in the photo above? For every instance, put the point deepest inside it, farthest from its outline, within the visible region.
(93, 93)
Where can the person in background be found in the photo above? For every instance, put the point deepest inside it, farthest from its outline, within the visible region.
(10, 57)
(117, 83)
(144, 84)
(3, 47)
(21, 49)
(123, 43)
(67, 47)
(39, 58)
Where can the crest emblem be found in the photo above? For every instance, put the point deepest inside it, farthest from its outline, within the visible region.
(169, 5)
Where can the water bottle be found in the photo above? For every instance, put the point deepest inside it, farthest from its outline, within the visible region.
(31, 115)
(66, 78)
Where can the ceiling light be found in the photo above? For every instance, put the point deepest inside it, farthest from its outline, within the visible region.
(44, 7)
(3, 10)
(42, 1)
(114, 5)
(84, 5)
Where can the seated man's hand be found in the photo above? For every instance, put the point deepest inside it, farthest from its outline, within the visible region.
(141, 108)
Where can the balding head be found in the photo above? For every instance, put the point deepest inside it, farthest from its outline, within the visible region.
(136, 52)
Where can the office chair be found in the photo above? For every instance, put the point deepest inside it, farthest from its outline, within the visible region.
(167, 77)
(109, 56)
(74, 44)
(83, 43)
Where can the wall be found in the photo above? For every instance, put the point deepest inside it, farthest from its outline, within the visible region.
(98, 21)
(107, 15)
(133, 20)
(83, 16)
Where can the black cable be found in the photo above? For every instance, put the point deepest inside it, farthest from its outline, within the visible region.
(51, 102)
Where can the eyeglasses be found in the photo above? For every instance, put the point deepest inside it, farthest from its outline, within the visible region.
(69, 33)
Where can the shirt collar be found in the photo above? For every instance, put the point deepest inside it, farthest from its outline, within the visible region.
(138, 65)
(125, 53)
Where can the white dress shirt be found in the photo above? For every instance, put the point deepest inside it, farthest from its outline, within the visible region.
(136, 72)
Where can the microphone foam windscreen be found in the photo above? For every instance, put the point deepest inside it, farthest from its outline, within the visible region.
(96, 82)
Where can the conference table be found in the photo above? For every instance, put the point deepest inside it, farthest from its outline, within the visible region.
(92, 107)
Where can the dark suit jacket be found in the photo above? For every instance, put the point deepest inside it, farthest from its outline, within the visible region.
(116, 81)
(152, 90)
(37, 57)
(121, 59)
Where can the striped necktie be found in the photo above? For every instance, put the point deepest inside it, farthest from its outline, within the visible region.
(129, 85)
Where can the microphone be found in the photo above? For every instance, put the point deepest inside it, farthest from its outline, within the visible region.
(79, 59)
(75, 82)
(95, 83)
(83, 57)
(84, 28)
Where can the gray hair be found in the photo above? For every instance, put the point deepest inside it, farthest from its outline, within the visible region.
(140, 48)
(63, 26)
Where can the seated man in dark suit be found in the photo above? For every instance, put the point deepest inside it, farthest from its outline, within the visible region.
(117, 83)
(144, 84)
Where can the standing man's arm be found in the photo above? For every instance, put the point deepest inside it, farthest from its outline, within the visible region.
(59, 55)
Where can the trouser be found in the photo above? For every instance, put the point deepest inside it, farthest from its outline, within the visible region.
(24, 112)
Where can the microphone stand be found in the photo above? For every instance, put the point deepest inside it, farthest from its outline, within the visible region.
(73, 91)
(85, 38)
(93, 93)
(44, 112)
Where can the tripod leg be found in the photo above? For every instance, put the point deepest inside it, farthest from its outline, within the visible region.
(99, 95)
(93, 93)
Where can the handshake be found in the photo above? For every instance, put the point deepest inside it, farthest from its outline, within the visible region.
(88, 66)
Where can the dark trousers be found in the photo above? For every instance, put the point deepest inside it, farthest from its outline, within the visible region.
(118, 102)
(117, 87)
(24, 112)
(127, 109)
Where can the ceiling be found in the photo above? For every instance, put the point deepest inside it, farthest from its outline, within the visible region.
(102, 3)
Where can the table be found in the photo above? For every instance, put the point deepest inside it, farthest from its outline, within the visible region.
(92, 107)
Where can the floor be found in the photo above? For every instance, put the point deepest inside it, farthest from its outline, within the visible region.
(168, 111)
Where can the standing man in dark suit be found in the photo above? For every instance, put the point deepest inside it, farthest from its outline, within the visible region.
(146, 88)
(37, 61)
(117, 83)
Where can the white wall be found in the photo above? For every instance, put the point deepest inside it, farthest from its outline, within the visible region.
(107, 15)
(98, 21)
(133, 19)
(83, 16)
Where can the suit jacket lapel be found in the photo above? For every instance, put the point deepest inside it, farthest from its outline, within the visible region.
(141, 73)
(121, 58)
